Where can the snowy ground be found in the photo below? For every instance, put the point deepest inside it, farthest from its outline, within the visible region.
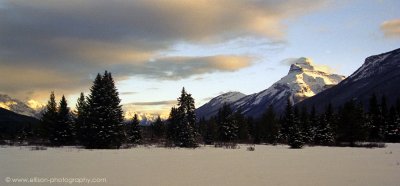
(267, 165)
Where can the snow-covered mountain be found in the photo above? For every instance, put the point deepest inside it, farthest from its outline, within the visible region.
(211, 108)
(146, 117)
(303, 80)
(30, 108)
(380, 74)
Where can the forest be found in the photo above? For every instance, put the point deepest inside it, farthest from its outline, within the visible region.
(98, 123)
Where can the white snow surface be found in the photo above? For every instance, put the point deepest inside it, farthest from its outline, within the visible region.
(267, 165)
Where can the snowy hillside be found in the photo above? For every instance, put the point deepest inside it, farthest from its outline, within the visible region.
(303, 80)
(30, 108)
(211, 108)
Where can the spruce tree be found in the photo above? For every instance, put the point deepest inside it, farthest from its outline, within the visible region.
(49, 120)
(384, 117)
(158, 128)
(295, 138)
(324, 132)
(287, 121)
(393, 127)
(243, 130)
(313, 118)
(271, 126)
(182, 122)
(398, 105)
(81, 119)
(172, 124)
(64, 127)
(306, 128)
(258, 131)
(351, 123)
(210, 133)
(375, 122)
(104, 126)
(227, 126)
(134, 134)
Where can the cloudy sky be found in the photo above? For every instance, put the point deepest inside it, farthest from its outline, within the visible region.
(155, 47)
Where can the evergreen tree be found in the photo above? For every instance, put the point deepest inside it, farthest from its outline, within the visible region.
(182, 122)
(227, 126)
(172, 125)
(202, 125)
(375, 122)
(393, 128)
(243, 130)
(49, 120)
(351, 123)
(287, 121)
(158, 128)
(313, 124)
(306, 128)
(324, 133)
(63, 130)
(104, 126)
(81, 118)
(258, 130)
(252, 128)
(384, 117)
(271, 126)
(295, 138)
(398, 105)
(134, 134)
(210, 133)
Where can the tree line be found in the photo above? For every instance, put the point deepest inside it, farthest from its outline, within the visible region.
(98, 123)
(348, 124)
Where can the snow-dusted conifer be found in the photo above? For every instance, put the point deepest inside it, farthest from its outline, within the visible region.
(158, 128)
(181, 122)
(134, 134)
(49, 119)
(295, 138)
(81, 118)
(104, 126)
(227, 125)
(64, 126)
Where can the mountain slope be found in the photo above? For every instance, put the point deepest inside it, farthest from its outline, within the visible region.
(303, 80)
(30, 108)
(211, 108)
(379, 74)
(11, 122)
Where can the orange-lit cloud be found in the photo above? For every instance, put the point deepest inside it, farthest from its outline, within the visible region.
(391, 28)
(58, 45)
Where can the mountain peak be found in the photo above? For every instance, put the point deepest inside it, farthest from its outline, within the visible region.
(301, 64)
(379, 75)
(303, 80)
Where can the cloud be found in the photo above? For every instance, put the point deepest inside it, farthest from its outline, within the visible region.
(128, 93)
(169, 102)
(319, 67)
(391, 28)
(179, 67)
(48, 45)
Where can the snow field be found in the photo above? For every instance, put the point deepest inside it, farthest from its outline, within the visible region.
(267, 165)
